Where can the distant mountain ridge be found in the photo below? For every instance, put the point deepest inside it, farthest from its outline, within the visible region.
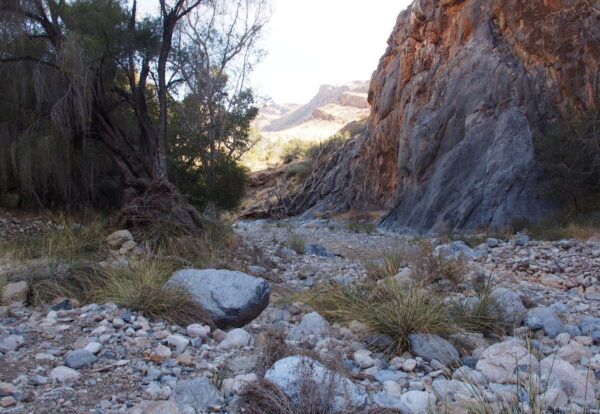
(328, 104)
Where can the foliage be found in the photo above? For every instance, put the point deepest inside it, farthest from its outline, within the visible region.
(103, 97)
(561, 226)
(569, 155)
(296, 243)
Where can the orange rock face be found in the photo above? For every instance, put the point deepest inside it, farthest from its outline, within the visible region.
(455, 102)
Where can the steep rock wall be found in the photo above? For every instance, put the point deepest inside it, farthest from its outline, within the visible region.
(455, 102)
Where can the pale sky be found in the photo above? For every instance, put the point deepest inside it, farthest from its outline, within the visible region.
(315, 42)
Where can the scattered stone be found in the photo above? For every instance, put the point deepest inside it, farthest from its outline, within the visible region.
(502, 362)
(15, 292)
(179, 342)
(509, 304)
(431, 347)
(198, 393)
(311, 324)
(118, 238)
(80, 358)
(64, 374)
(236, 338)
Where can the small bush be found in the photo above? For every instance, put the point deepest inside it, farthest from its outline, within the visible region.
(361, 226)
(387, 266)
(430, 267)
(296, 243)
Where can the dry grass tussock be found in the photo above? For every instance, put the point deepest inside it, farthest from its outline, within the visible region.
(67, 240)
(296, 243)
(3, 282)
(138, 286)
(63, 262)
(427, 266)
(400, 309)
(314, 396)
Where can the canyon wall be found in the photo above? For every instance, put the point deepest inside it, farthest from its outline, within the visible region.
(456, 100)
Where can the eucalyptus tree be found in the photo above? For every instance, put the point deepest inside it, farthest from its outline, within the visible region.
(95, 70)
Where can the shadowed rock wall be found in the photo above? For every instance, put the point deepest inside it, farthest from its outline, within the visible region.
(455, 102)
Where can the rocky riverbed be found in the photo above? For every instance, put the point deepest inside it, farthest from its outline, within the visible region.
(100, 358)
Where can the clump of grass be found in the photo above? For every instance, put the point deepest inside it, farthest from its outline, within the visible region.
(296, 243)
(3, 283)
(139, 287)
(388, 265)
(430, 267)
(357, 226)
(399, 310)
(66, 241)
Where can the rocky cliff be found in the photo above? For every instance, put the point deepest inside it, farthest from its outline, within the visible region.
(455, 102)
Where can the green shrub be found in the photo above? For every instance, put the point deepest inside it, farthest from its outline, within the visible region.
(357, 226)
(296, 243)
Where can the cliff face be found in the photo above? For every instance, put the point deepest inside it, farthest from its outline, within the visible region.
(461, 90)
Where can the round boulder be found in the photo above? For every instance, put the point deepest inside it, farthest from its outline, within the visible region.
(232, 298)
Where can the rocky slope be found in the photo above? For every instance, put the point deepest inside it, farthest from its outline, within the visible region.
(461, 90)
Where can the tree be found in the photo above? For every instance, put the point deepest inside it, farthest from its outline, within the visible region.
(102, 63)
(219, 49)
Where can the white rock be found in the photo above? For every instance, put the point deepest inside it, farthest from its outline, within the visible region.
(179, 342)
(93, 347)
(290, 373)
(197, 331)
(499, 362)
(236, 338)
(15, 292)
(409, 365)
(11, 343)
(119, 237)
(363, 358)
(573, 352)
(392, 387)
(236, 385)
(561, 374)
(311, 324)
(418, 402)
(62, 374)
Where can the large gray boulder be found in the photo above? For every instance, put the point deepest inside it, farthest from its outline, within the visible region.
(232, 298)
(546, 319)
(291, 373)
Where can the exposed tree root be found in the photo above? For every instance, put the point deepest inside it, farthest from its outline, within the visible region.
(159, 204)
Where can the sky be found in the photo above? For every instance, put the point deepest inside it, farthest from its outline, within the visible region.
(314, 42)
